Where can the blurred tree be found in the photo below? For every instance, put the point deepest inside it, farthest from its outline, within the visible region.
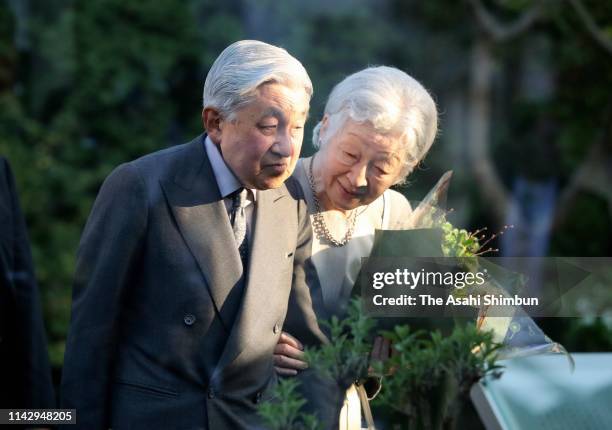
(541, 97)
(102, 82)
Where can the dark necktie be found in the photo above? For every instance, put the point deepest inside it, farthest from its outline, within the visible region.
(237, 218)
(239, 224)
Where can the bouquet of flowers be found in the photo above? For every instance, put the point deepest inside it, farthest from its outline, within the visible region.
(431, 372)
(515, 330)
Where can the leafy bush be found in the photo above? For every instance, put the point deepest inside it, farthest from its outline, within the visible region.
(283, 412)
(346, 357)
(431, 376)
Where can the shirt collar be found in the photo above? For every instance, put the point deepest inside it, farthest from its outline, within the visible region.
(226, 180)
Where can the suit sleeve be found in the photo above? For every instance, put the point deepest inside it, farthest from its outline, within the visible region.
(301, 320)
(106, 260)
(33, 365)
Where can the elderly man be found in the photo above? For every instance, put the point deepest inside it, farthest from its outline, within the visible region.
(187, 260)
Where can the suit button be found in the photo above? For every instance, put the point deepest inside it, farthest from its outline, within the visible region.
(211, 393)
(258, 397)
(189, 319)
(276, 328)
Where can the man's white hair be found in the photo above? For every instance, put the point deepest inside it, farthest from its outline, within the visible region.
(243, 67)
(393, 103)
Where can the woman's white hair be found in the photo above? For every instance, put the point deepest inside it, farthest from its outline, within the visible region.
(243, 67)
(392, 102)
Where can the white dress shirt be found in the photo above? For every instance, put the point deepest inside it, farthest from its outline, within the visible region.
(228, 183)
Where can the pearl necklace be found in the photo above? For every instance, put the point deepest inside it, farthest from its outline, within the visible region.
(318, 223)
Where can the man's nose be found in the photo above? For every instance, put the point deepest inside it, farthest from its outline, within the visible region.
(358, 175)
(283, 147)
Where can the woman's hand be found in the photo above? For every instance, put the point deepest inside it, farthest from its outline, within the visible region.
(289, 356)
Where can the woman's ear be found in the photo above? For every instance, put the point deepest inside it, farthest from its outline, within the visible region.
(324, 127)
(211, 120)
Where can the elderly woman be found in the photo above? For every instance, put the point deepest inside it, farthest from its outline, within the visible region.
(377, 126)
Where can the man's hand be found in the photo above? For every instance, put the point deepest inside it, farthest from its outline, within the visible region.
(289, 356)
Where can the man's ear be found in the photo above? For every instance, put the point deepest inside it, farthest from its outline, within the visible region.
(211, 119)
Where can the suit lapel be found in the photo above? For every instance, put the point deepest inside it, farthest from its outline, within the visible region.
(199, 211)
(261, 281)
(201, 216)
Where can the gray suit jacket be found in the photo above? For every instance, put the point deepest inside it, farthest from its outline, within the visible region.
(159, 338)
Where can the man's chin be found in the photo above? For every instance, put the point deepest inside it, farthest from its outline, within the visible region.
(271, 182)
